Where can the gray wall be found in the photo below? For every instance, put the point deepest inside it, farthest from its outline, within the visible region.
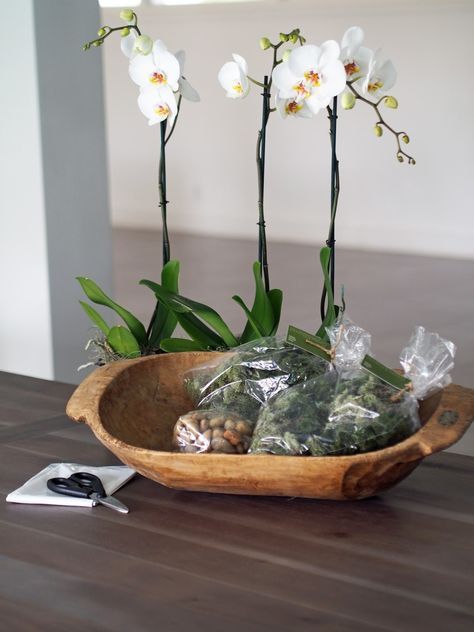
(53, 177)
(74, 168)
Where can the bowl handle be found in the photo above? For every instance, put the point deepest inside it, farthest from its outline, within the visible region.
(83, 405)
(449, 422)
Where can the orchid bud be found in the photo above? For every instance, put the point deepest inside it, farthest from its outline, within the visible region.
(265, 43)
(286, 55)
(97, 43)
(378, 131)
(101, 32)
(391, 102)
(126, 15)
(399, 158)
(293, 38)
(348, 100)
(284, 37)
(125, 32)
(143, 45)
(412, 161)
(406, 139)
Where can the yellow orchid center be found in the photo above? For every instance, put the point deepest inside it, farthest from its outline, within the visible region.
(157, 78)
(374, 86)
(162, 110)
(313, 78)
(237, 88)
(351, 68)
(293, 107)
(301, 90)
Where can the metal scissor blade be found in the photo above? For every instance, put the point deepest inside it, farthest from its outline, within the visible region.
(110, 502)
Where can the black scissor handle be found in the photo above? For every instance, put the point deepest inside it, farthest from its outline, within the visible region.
(68, 488)
(91, 481)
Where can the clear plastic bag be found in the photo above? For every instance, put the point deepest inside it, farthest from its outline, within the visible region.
(212, 431)
(351, 410)
(427, 361)
(251, 376)
(335, 416)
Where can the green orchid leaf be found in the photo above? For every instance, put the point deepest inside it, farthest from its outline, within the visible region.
(95, 317)
(181, 305)
(276, 299)
(165, 321)
(96, 295)
(123, 342)
(248, 313)
(173, 345)
(199, 332)
(262, 311)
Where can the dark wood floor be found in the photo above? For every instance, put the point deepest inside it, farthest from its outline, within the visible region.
(388, 294)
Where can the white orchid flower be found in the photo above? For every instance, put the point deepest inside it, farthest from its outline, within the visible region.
(158, 104)
(354, 56)
(313, 74)
(291, 108)
(381, 77)
(233, 78)
(159, 69)
(185, 88)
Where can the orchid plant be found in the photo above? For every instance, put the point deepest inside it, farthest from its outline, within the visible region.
(162, 86)
(308, 79)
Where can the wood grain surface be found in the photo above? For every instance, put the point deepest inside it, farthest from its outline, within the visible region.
(132, 407)
(197, 561)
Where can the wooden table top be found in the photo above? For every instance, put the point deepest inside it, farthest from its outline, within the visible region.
(189, 561)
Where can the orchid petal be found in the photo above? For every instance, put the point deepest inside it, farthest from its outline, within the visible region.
(158, 47)
(187, 91)
(317, 102)
(299, 109)
(141, 68)
(240, 61)
(158, 104)
(333, 79)
(181, 57)
(233, 80)
(167, 62)
(284, 80)
(304, 58)
(352, 40)
(329, 50)
(126, 44)
(388, 74)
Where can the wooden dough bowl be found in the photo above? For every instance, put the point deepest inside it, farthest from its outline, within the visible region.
(132, 406)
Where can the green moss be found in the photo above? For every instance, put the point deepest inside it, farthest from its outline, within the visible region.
(332, 416)
(252, 376)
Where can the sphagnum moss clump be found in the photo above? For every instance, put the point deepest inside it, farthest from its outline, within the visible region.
(333, 416)
(253, 376)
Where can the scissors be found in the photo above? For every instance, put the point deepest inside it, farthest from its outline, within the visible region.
(85, 485)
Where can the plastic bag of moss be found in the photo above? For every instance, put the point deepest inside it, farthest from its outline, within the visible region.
(212, 431)
(351, 410)
(251, 376)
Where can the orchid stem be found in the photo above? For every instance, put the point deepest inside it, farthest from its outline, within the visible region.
(335, 187)
(261, 141)
(175, 120)
(162, 204)
(162, 192)
(109, 30)
(381, 121)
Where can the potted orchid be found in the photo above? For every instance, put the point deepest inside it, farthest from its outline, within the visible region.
(306, 79)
